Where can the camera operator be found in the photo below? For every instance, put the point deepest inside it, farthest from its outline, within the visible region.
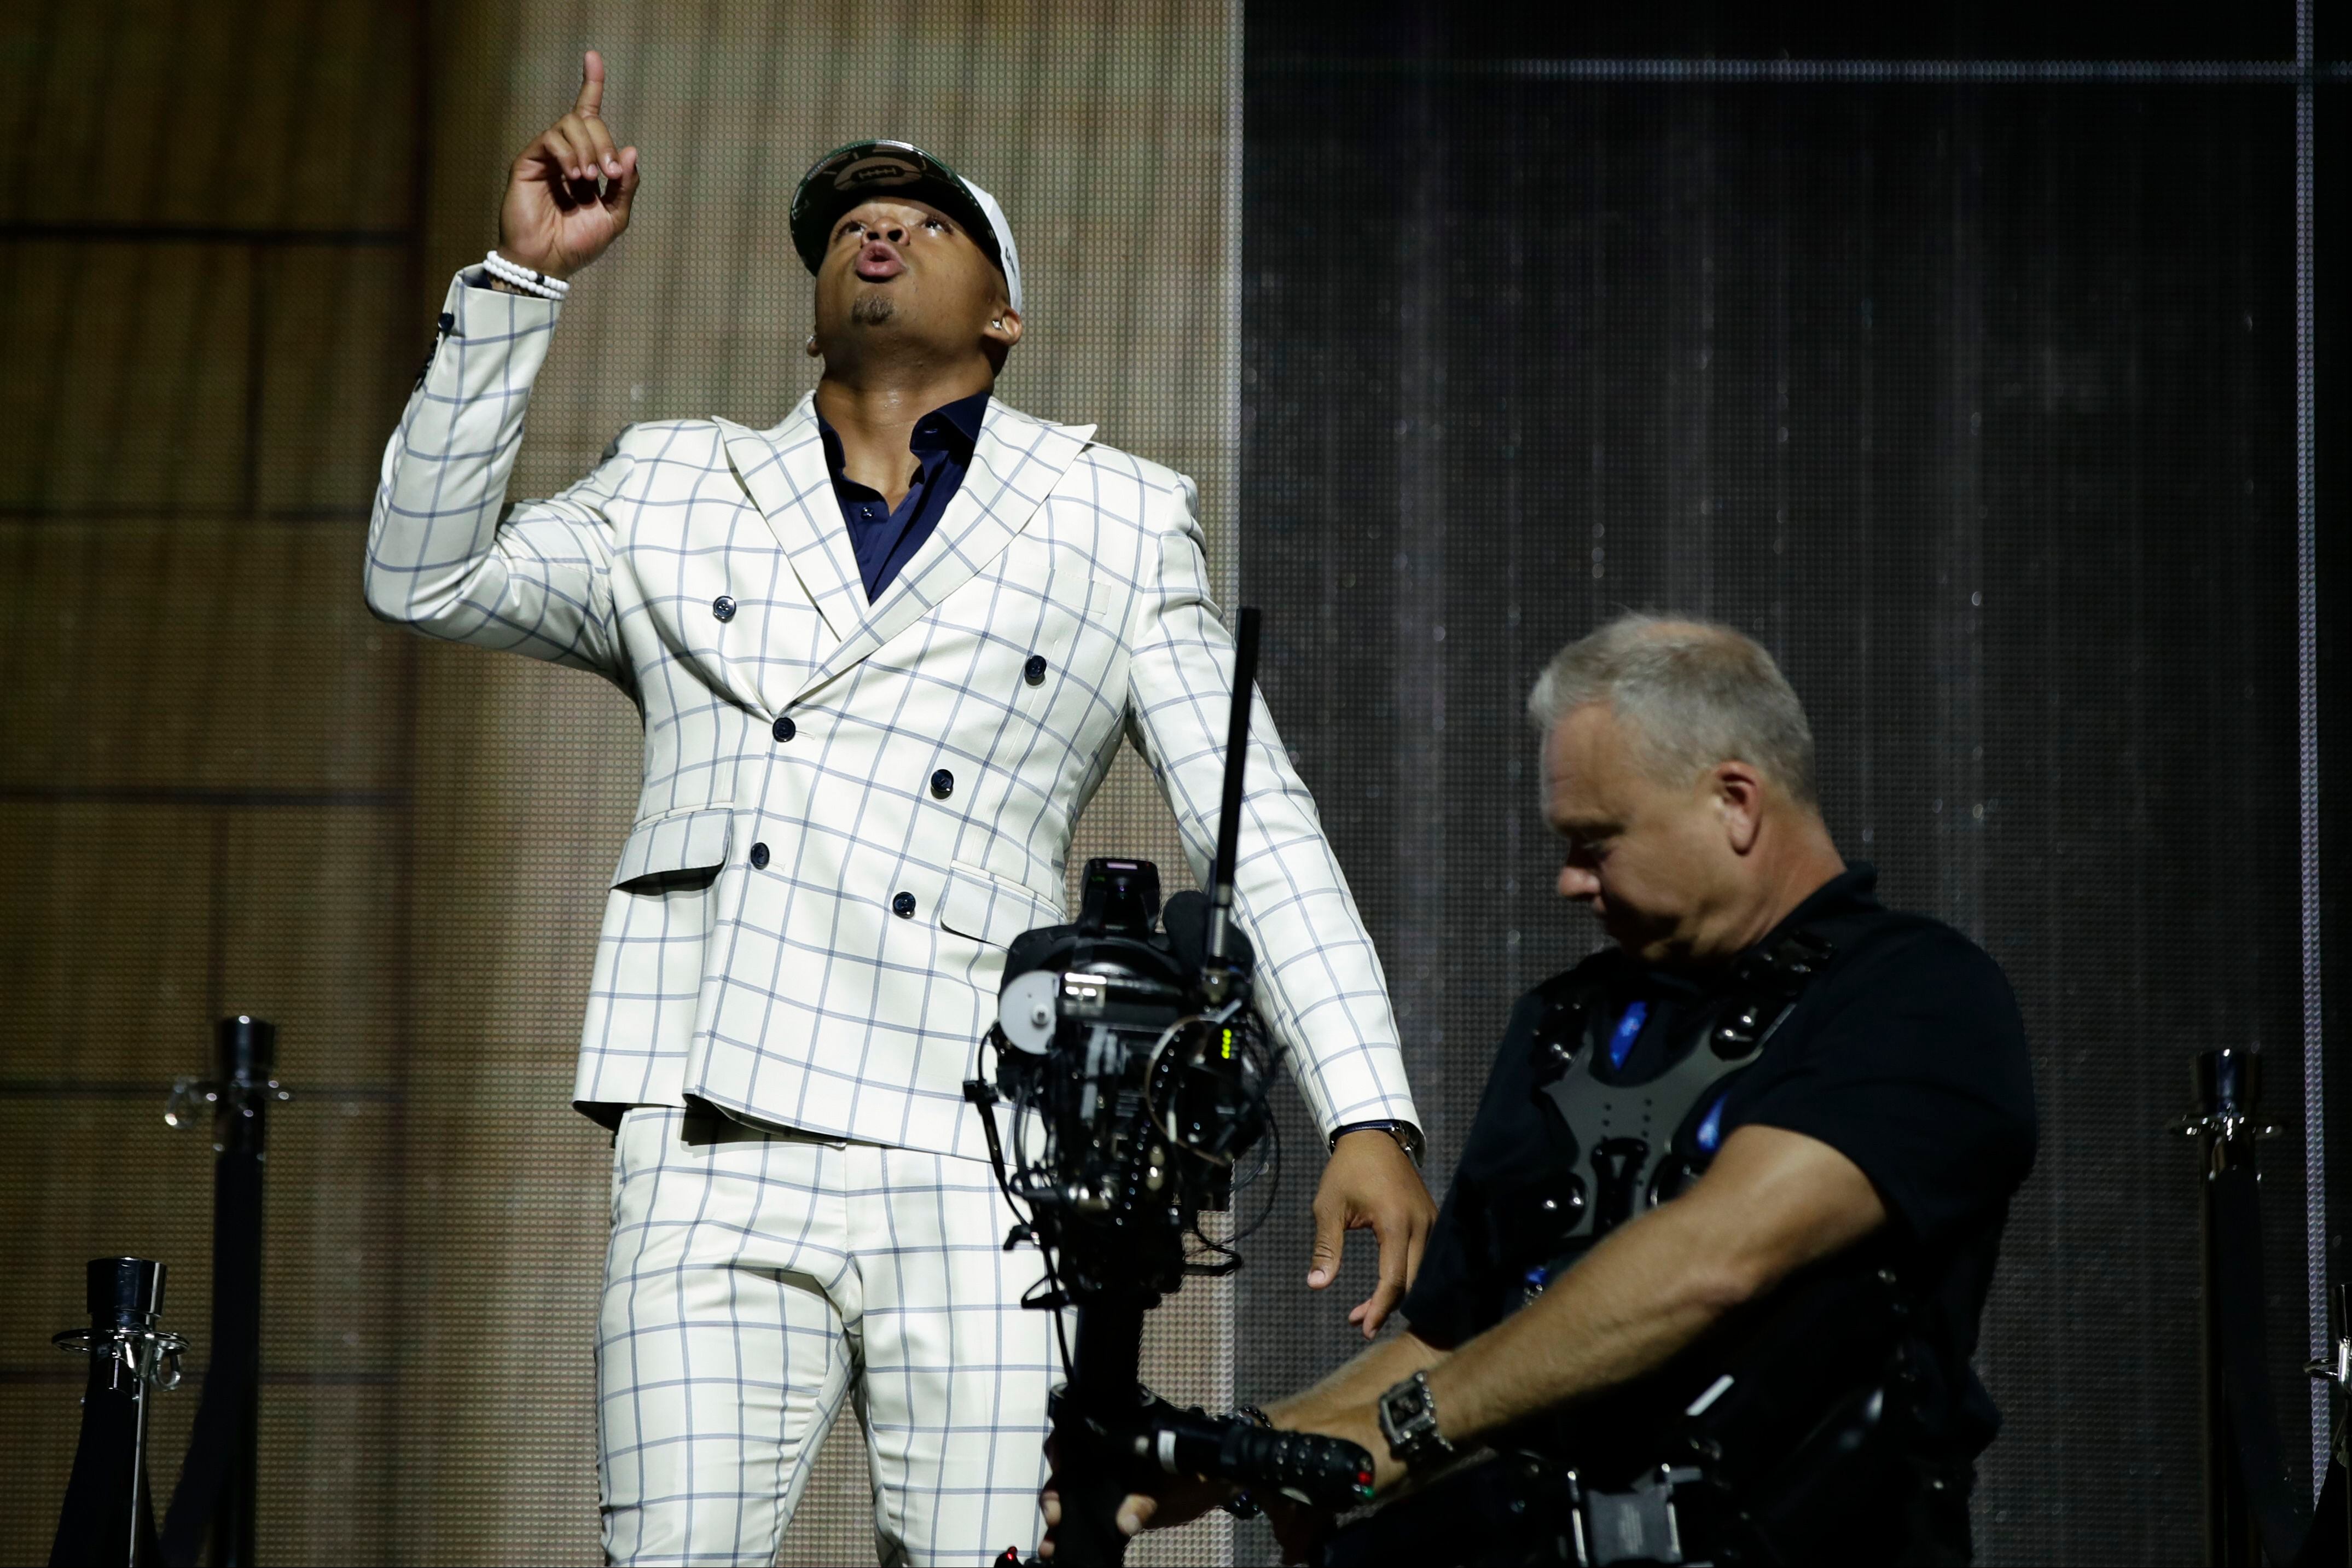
(1877, 1132)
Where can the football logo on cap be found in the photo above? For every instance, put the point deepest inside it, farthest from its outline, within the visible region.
(876, 171)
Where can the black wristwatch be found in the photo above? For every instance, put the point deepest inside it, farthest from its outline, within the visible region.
(1408, 1137)
(1409, 1421)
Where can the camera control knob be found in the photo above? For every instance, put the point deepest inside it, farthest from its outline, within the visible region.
(1026, 1010)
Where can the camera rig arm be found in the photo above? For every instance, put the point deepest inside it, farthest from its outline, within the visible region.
(1136, 1075)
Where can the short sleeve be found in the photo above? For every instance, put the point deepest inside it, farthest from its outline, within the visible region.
(1920, 1076)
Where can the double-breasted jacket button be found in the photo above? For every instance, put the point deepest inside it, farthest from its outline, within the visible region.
(785, 728)
(943, 784)
(903, 906)
(1034, 672)
(758, 856)
(723, 607)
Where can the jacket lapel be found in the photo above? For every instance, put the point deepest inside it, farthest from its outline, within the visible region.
(783, 472)
(1016, 464)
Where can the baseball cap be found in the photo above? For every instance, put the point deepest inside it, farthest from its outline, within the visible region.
(863, 171)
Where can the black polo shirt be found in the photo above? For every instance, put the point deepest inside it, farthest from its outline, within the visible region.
(1905, 1054)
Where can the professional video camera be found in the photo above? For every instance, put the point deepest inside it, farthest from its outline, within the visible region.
(1136, 1074)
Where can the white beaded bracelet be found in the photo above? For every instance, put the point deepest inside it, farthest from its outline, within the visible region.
(524, 279)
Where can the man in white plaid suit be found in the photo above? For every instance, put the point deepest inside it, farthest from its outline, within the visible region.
(885, 652)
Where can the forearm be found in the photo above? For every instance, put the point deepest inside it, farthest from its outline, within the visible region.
(433, 535)
(1642, 1296)
(1319, 985)
(446, 554)
(1358, 1383)
(1774, 1202)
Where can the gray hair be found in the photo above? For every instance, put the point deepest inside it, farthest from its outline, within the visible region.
(1694, 694)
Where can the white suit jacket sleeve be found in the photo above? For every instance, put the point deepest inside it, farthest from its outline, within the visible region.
(1319, 985)
(444, 553)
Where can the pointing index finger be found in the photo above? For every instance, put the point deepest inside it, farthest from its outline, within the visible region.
(591, 84)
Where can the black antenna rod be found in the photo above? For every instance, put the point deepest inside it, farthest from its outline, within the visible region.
(1229, 817)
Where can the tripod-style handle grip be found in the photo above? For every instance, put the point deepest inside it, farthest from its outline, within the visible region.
(1326, 1472)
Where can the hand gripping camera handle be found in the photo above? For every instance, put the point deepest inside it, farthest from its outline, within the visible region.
(1325, 1473)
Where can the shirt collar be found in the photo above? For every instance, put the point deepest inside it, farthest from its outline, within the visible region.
(951, 427)
(1849, 890)
(958, 421)
(1852, 889)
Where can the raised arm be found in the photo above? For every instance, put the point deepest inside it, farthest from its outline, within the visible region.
(444, 553)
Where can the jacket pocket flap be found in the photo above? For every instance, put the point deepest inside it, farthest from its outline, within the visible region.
(677, 841)
(976, 904)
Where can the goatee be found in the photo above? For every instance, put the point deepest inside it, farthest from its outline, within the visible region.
(872, 309)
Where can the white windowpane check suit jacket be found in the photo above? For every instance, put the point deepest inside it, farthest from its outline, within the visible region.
(850, 809)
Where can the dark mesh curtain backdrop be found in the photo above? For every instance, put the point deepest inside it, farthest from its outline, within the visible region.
(1976, 403)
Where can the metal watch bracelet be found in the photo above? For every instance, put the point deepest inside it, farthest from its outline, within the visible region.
(1407, 1415)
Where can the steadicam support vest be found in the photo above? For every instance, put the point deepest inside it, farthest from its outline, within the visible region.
(1638, 1144)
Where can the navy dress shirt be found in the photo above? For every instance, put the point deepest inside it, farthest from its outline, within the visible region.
(885, 539)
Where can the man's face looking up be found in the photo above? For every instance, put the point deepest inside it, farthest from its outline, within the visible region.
(906, 269)
(1654, 860)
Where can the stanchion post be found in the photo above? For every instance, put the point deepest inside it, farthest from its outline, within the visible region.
(214, 1505)
(108, 1517)
(247, 1053)
(2229, 1085)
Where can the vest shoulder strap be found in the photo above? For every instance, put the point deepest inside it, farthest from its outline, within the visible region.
(1626, 1134)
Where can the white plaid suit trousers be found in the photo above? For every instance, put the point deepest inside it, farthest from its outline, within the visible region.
(756, 1280)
